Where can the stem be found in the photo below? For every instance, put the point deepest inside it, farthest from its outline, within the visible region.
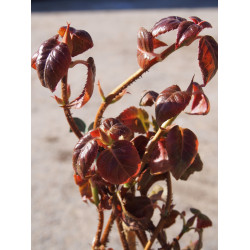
(66, 110)
(153, 142)
(163, 218)
(107, 229)
(129, 81)
(141, 235)
(122, 235)
(99, 230)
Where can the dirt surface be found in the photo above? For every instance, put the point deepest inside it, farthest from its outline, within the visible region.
(60, 220)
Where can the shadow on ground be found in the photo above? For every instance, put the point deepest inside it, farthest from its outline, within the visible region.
(79, 5)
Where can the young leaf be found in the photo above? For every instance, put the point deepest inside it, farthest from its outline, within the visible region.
(208, 58)
(182, 148)
(87, 92)
(84, 154)
(136, 119)
(170, 220)
(80, 124)
(200, 105)
(203, 221)
(140, 142)
(170, 103)
(148, 98)
(166, 24)
(195, 166)
(145, 40)
(159, 162)
(142, 59)
(119, 163)
(137, 211)
(33, 60)
(41, 57)
(146, 180)
(186, 33)
(81, 40)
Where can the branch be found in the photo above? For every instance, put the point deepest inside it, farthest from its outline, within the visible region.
(164, 216)
(107, 229)
(66, 110)
(129, 81)
(96, 243)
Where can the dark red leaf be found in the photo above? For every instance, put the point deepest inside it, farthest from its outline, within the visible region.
(182, 148)
(138, 211)
(170, 220)
(190, 221)
(84, 154)
(41, 59)
(145, 40)
(87, 92)
(208, 58)
(85, 191)
(57, 64)
(119, 163)
(81, 40)
(140, 142)
(146, 180)
(200, 104)
(157, 43)
(166, 24)
(195, 166)
(203, 221)
(195, 19)
(115, 129)
(135, 118)
(148, 98)
(186, 33)
(159, 162)
(170, 103)
(143, 59)
(205, 24)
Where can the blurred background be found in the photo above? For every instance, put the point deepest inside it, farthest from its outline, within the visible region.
(60, 220)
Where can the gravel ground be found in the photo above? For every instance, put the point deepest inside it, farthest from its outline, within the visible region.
(60, 220)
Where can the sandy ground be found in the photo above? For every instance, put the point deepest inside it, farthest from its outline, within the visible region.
(60, 220)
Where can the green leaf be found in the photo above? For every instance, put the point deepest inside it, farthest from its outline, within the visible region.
(91, 126)
(80, 124)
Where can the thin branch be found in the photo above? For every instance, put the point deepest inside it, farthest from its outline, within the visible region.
(96, 243)
(107, 229)
(66, 110)
(141, 235)
(121, 233)
(164, 216)
(129, 81)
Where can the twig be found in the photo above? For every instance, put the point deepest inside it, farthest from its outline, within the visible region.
(107, 229)
(141, 235)
(129, 81)
(66, 110)
(163, 218)
(96, 243)
(122, 235)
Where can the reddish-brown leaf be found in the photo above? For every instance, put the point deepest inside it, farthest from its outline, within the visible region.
(140, 142)
(115, 129)
(166, 24)
(119, 163)
(159, 161)
(148, 98)
(41, 58)
(182, 148)
(145, 40)
(170, 103)
(146, 180)
(203, 221)
(170, 220)
(84, 154)
(208, 58)
(81, 40)
(138, 211)
(87, 92)
(143, 59)
(200, 104)
(195, 166)
(135, 118)
(186, 33)
(195, 19)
